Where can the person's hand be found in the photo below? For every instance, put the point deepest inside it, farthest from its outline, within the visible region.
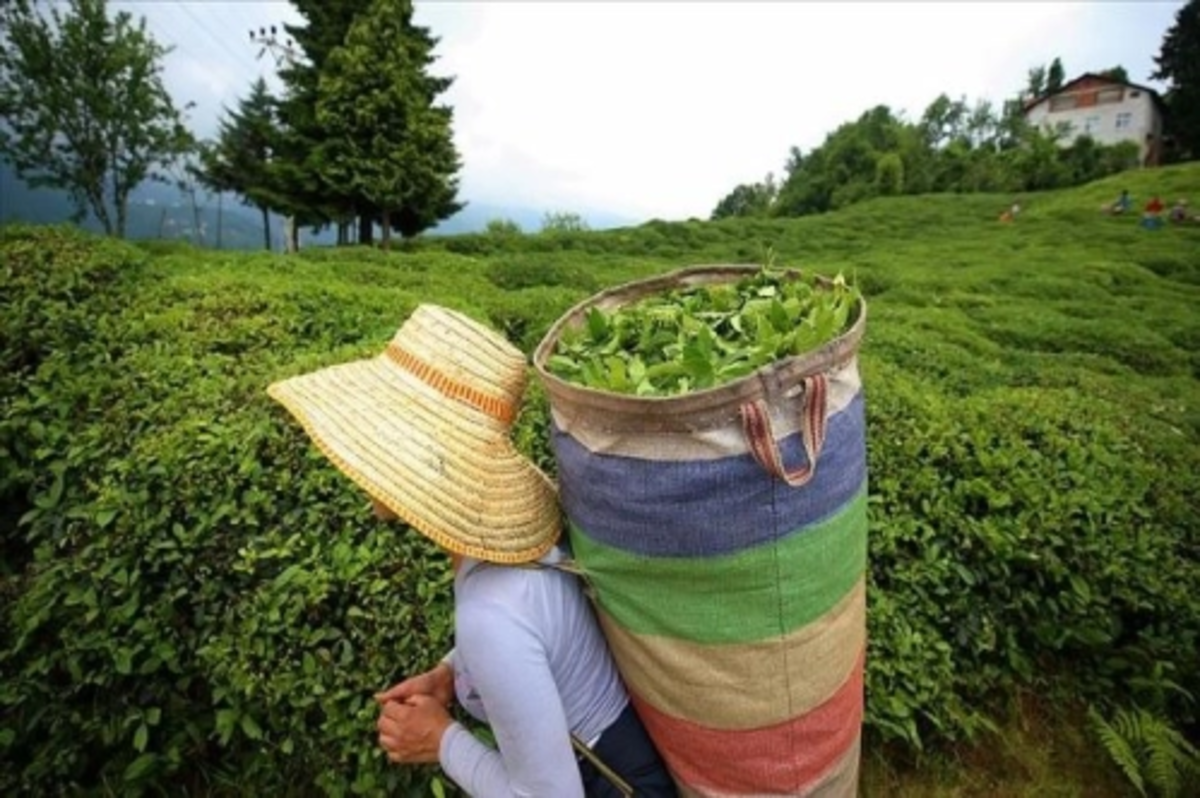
(411, 732)
(438, 682)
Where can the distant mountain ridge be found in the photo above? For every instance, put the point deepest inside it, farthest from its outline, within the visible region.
(158, 210)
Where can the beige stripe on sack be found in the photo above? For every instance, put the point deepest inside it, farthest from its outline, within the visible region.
(787, 676)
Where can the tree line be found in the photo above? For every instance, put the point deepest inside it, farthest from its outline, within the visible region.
(959, 146)
(356, 137)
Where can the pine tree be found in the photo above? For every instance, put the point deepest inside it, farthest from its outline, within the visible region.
(386, 140)
(239, 160)
(1178, 62)
(1055, 76)
(295, 165)
(84, 105)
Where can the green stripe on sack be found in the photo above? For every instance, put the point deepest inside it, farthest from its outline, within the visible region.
(760, 593)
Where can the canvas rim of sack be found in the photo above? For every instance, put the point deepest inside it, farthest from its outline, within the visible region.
(703, 409)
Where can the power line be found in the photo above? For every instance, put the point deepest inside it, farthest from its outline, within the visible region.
(238, 59)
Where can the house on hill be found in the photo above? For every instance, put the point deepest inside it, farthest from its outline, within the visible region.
(1108, 110)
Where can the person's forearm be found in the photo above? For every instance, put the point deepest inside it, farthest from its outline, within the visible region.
(474, 767)
(482, 773)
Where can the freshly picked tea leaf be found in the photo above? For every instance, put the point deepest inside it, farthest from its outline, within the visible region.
(700, 337)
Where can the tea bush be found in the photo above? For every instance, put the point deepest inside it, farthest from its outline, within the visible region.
(997, 558)
(207, 599)
(57, 289)
(195, 601)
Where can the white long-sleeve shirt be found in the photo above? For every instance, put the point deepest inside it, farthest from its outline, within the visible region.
(529, 660)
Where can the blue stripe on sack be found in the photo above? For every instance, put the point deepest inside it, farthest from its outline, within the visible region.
(707, 507)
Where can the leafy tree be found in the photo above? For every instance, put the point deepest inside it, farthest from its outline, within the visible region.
(239, 160)
(748, 199)
(943, 121)
(1083, 159)
(1178, 63)
(387, 142)
(803, 190)
(563, 222)
(1012, 124)
(1119, 157)
(502, 227)
(1043, 80)
(953, 147)
(889, 175)
(1116, 73)
(982, 127)
(1035, 84)
(1039, 161)
(843, 169)
(84, 105)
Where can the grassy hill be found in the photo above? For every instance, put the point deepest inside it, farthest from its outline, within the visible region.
(195, 597)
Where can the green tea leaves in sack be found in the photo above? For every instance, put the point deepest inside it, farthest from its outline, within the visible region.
(700, 337)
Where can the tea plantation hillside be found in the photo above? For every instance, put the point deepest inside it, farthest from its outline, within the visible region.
(193, 601)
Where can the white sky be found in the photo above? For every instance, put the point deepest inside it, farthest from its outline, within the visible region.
(658, 109)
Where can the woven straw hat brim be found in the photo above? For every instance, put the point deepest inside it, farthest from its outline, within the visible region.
(443, 466)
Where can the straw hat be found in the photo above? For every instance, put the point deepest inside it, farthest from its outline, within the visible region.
(424, 429)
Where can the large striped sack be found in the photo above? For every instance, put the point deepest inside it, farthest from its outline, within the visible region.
(724, 534)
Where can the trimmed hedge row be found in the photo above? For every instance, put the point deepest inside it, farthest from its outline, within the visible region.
(1026, 537)
(206, 601)
(194, 597)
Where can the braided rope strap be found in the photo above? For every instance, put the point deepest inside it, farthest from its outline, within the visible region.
(756, 424)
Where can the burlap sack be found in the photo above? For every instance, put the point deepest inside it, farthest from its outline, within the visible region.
(724, 533)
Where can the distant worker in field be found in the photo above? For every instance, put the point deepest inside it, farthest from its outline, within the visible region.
(1122, 205)
(1152, 217)
(1011, 214)
(1179, 212)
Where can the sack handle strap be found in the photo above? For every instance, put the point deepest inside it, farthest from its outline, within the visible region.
(756, 425)
(613, 777)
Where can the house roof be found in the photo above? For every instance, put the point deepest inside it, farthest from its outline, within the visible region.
(1096, 77)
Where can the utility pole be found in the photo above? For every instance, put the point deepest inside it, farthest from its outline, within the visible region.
(283, 52)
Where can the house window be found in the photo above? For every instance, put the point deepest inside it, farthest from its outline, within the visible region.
(1124, 120)
(1062, 102)
(1091, 125)
(1110, 95)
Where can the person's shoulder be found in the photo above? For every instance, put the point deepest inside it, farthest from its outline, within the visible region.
(495, 615)
(487, 603)
(489, 573)
(494, 584)
(521, 588)
(483, 572)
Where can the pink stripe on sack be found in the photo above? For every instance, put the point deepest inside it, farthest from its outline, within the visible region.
(785, 759)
